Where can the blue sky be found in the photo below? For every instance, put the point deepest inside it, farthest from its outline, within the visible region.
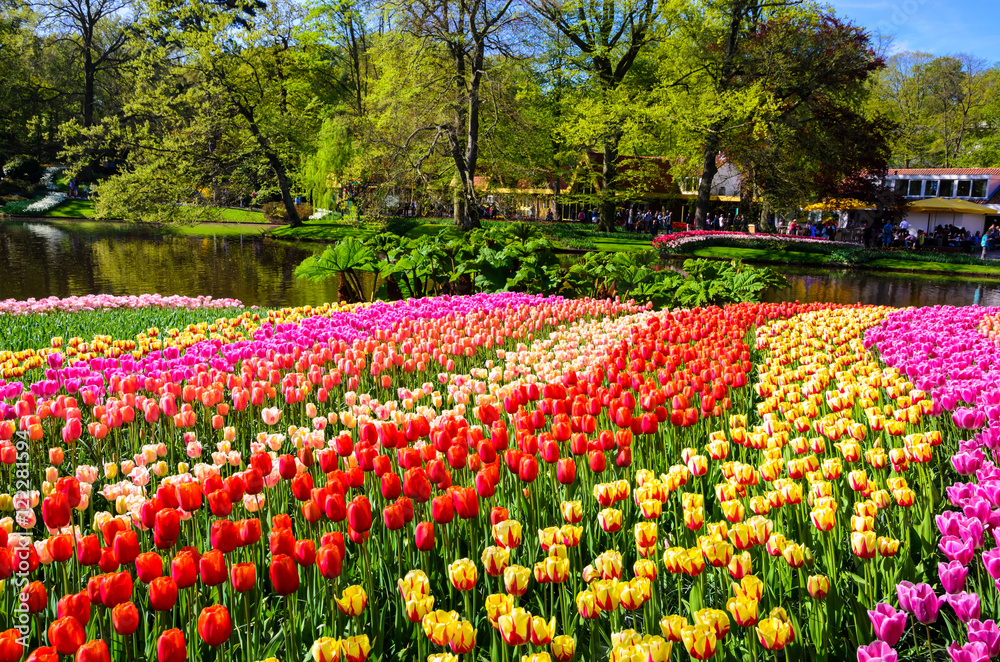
(939, 27)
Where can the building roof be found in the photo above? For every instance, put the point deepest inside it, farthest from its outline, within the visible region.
(943, 171)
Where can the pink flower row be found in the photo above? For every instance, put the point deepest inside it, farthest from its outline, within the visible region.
(679, 239)
(941, 350)
(108, 302)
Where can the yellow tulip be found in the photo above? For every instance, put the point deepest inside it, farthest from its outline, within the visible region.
(515, 627)
(699, 641)
(463, 574)
(563, 648)
(352, 601)
(326, 649)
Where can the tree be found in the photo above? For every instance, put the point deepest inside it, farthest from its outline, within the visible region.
(899, 92)
(98, 29)
(467, 39)
(609, 37)
(811, 132)
(247, 59)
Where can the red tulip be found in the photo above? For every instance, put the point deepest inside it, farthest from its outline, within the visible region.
(116, 588)
(486, 484)
(170, 647)
(598, 463)
(11, 649)
(249, 531)
(126, 547)
(148, 566)
(224, 535)
(281, 521)
(212, 568)
(43, 654)
(162, 594)
(243, 577)
(281, 541)
(329, 561)
(66, 635)
(424, 536)
(108, 561)
(60, 548)
(527, 469)
(359, 512)
(94, 589)
(184, 570)
(442, 509)
(305, 553)
(88, 550)
(335, 507)
(76, 605)
(392, 517)
(392, 487)
(220, 503)
(189, 495)
(93, 651)
(302, 485)
(167, 524)
(415, 485)
(466, 502)
(284, 575)
(125, 618)
(286, 467)
(56, 511)
(214, 625)
(566, 471)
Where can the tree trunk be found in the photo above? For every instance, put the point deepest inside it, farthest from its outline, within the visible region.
(709, 168)
(88, 86)
(609, 172)
(280, 172)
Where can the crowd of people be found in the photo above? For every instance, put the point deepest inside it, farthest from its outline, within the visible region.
(943, 236)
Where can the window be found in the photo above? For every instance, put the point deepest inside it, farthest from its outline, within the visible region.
(915, 188)
(901, 186)
(947, 186)
(979, 188)
(931, 188)
(964, 189)
(722, 191)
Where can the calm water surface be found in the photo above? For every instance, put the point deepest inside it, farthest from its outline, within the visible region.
(41, 259)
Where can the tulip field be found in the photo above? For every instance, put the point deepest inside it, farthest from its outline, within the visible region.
(502, 477)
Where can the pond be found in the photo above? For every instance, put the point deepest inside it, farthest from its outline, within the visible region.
(42, 259)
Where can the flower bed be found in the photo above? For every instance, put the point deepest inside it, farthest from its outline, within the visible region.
(108, 302)
(671, 243)
(507, 475)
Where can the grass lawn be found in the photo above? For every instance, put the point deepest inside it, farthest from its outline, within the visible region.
(798, 257)
(219, 229)
(886, 263)
(72, 208)
(76, 208)
(817, 259)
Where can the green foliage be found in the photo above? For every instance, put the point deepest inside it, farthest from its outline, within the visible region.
(275, 211)
(518, 258)
(713, 283)
(23, 167)
(347, 259)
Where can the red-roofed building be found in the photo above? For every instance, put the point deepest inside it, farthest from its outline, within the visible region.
(978, 185)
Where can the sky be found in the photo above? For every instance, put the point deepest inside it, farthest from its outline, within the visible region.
(938, 27)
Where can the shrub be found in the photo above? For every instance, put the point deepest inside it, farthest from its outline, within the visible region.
(275, 211)
(23, 167)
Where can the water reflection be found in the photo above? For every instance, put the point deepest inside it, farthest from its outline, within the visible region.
(40, 260)
(846, 286)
